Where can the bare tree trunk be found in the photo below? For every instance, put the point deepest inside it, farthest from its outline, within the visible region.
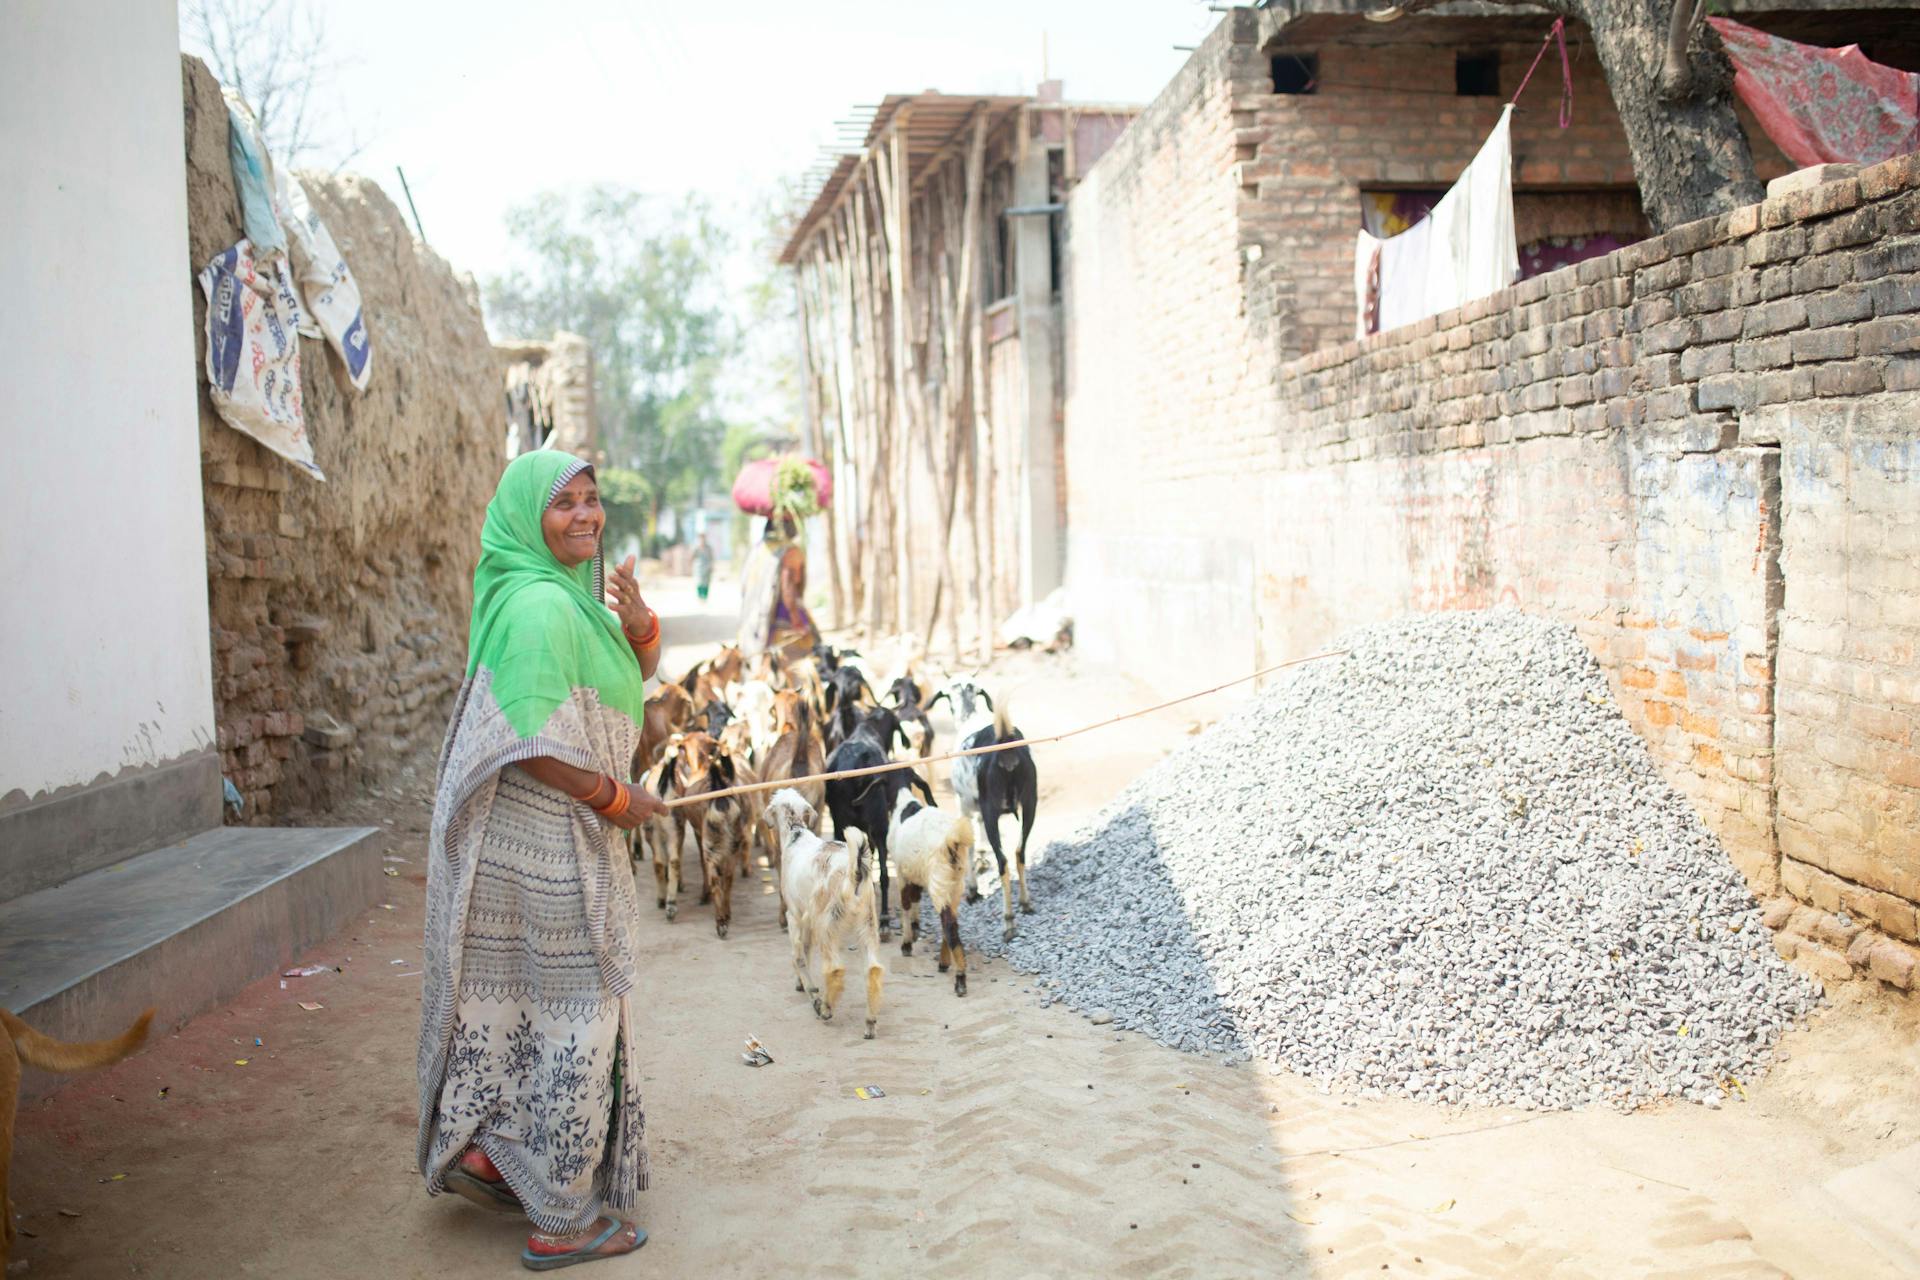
(1672, 87)
(1690, 153)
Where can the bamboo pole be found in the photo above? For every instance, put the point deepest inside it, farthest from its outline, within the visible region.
(894, 177)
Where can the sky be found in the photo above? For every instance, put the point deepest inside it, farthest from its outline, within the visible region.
(488, 103)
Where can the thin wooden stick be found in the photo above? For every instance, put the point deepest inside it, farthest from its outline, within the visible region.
(776, 783)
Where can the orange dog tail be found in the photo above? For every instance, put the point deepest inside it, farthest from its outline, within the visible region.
(49, 1054)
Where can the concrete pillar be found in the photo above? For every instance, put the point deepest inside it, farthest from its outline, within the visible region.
(1040, 569)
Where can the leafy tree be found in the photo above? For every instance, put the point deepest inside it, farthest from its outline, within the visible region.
(629, 501)
(639, 277)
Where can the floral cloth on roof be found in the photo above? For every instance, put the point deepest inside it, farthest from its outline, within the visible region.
(1823, 106)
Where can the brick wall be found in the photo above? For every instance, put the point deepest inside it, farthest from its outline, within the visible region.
(339, 609)
(1163, 384)
(1386, 115)
(1699, 451)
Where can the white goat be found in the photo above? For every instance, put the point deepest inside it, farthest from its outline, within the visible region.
(991, 787)
(753, 703)
(829, 898)
(931, 849)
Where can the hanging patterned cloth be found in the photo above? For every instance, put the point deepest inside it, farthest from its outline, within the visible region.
(1823, 106)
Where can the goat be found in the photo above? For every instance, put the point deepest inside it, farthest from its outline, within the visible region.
(736, 741)
(906, 704)
(843, 704)
(991, 786)
(724, 840)
(708, 679)
(830, 893)
(753, 703)
(660, 835)
(718, 715)
(700, 766)
(867, 803)
(795, 753)
(668, 711)
(933, 849)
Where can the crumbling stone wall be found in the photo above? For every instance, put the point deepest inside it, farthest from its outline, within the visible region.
(340, 608)
(1699, 450)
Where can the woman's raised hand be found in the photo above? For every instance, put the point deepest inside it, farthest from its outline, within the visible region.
(623, 593)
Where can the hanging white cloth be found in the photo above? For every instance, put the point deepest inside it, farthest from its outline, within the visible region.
(1464, 249)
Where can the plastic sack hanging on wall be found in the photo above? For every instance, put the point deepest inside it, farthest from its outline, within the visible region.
(253, 354)
(253, 179)
(328, 290)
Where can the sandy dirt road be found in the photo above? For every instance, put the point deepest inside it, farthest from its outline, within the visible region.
(1013, 1141)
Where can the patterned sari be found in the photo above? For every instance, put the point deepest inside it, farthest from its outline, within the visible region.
(526, 1023)
(765, 622)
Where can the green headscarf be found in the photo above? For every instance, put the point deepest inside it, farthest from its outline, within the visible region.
(539, 627)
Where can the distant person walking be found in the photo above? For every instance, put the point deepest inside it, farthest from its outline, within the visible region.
(528, 1068)
(702, 566)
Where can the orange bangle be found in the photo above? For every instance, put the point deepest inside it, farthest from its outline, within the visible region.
(594, 790)
(613, 808)
(648, 640)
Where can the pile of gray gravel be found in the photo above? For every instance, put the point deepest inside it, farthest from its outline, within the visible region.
(1442, 866)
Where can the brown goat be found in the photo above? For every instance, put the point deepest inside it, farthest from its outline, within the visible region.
(702, 766)
(669, 711)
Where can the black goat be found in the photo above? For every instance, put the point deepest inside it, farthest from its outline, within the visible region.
(829, 657)
(992, 786)
(906, 704)
(867, 803)
(844, 689)
(718, 716)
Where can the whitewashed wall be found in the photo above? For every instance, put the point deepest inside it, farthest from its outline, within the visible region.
(103, 584)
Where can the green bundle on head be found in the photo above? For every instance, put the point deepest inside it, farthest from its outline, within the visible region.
(793, 490)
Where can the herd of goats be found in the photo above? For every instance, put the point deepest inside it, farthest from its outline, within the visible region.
(733, 721)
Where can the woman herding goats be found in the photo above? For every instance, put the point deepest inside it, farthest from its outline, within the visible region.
(527, 1062)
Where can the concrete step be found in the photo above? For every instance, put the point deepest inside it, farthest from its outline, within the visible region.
(180, 928)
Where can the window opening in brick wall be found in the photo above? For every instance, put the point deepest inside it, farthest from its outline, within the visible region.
(1296, 72)
(1476, 75)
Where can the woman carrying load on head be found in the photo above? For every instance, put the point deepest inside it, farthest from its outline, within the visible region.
(528, 1067)
(773, 613)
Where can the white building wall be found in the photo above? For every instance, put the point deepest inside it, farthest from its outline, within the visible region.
(103, 589)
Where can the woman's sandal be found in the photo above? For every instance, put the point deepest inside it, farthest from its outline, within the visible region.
(467, 1179)
(586, 1253)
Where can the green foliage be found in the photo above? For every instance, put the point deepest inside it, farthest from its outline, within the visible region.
(628, 498)
(640, 278)
(793, 491)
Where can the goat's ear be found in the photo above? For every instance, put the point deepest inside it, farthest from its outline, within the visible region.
(900, 732)
(938, 695)
(984, 698)
(725, 765)
(833, 691)
(919, 784)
